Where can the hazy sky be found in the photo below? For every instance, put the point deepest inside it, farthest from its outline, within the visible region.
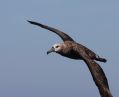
(25, 68)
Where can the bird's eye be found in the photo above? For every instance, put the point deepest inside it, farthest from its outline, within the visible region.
(57, 46)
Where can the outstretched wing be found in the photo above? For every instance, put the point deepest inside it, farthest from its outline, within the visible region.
(97, 73)
(63, 36)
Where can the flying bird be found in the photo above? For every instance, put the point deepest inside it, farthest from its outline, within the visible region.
(71, 49)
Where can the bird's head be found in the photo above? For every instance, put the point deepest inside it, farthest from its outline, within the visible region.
(56, 48)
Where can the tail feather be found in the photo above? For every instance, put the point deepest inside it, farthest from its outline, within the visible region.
(101, 59)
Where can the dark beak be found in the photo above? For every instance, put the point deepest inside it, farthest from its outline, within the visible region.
(51, 50)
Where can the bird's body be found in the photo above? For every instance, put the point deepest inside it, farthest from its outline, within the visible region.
(71, 49)
(70, 52)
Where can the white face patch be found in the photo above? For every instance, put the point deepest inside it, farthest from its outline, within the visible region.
(57, 47)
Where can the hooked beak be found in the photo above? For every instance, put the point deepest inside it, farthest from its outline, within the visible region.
(51, 50)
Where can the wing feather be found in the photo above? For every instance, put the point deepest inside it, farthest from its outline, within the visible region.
(63, 36)
(97, 73)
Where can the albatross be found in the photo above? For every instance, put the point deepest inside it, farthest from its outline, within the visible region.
(71, 49)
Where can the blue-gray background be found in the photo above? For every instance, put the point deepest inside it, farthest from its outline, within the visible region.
(26, 70)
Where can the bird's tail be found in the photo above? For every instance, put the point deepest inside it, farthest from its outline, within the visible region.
(100, 59)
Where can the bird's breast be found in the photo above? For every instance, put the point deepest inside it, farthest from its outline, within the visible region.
(71, 54)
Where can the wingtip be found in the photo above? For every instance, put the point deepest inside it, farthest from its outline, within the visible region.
(29, 21)
(32, 22)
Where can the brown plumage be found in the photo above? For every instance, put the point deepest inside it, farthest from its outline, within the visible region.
(71, 49)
